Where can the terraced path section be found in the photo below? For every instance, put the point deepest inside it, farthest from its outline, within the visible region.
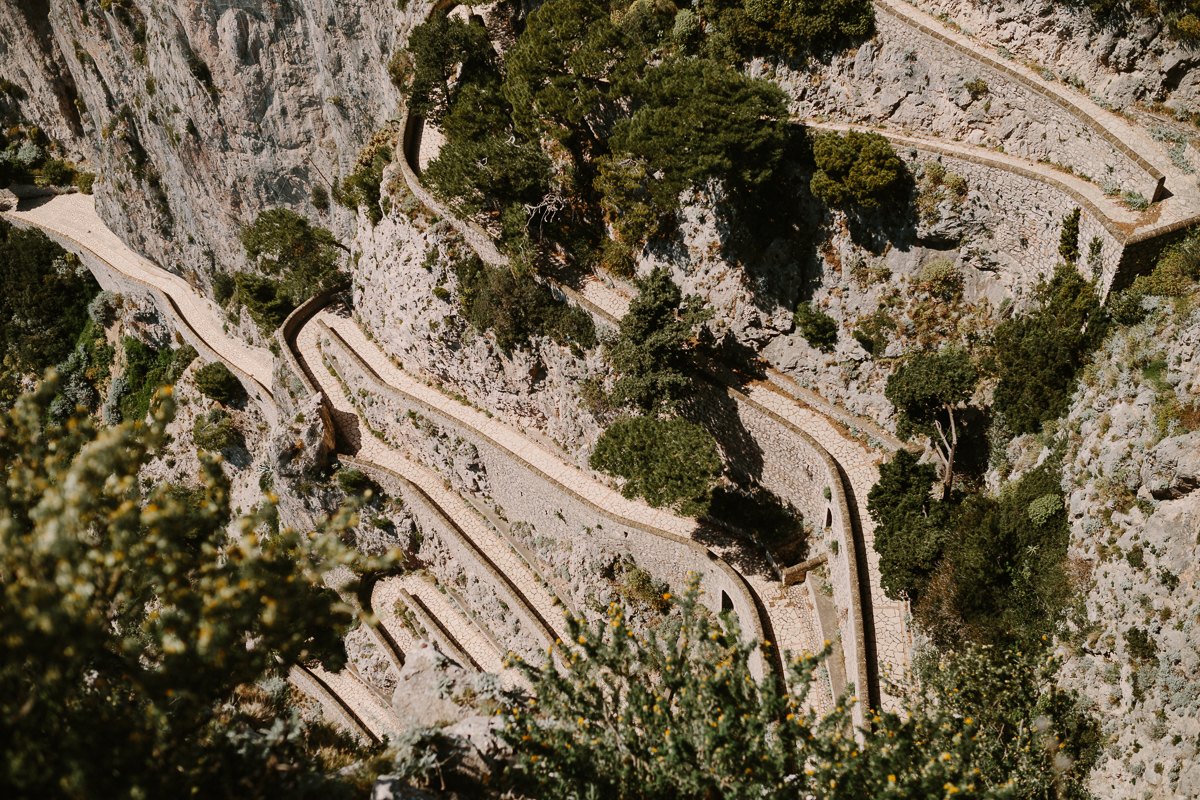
(1181, 208)
(72, 221)
(73, 217)
(790, 629)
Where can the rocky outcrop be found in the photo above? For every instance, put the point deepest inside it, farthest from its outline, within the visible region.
(243, 104)
(1172, 468)
(1124, 60)
(297, 453)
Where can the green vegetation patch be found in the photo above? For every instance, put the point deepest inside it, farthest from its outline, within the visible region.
(514, 306)
(146, 371)
(669, 462)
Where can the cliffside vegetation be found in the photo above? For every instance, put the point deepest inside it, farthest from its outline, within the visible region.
(299, 260)
(127, 612)
(681, 716)
(601, 115)
(44, 297)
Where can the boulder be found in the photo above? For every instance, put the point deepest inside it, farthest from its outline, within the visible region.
(302, 448)
(1172, 468)
(427, 689)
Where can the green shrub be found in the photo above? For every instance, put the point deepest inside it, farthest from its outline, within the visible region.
(940, 278)
(44, 296)
(216, 382)
(57, 173)
(85, 181)
(818, 328)
(680, 715)
(652, 353)
(267, 300)
(357, 482)
(1038, 355)
(441, 293)
(1068, 240)
(320, 197)
(146, 370)
(514, 306)
(858, 168)
(1141, 644)
(302, 258)
(223, 287)
(639, 586)
(215, 431)
(667, 462)
(360, 189)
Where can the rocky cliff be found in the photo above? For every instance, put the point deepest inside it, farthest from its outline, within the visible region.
(244, 104)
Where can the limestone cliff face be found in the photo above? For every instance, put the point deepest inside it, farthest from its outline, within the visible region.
(197, 114)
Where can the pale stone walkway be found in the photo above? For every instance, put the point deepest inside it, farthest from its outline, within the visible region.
(371, 709)
(73, 216)
(785, 619)
(489, 542)
(1183, 205)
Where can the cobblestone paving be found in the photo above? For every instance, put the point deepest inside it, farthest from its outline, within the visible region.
(74, 217)
(368, 706)
(893, 640)
(785, 619)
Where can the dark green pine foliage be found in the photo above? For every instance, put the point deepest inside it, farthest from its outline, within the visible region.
(1038, 355)
(439, 47)
(216, 382)
(818, 328)
(485, 165)
(910, 523)
(669, 463)
(698, 120)
(738, 29)
(514, 306)
(1002, 579)
(1068, 240)
(652, 352)
(300, 258)
(568, 69)
(927, 391)
(857, 168)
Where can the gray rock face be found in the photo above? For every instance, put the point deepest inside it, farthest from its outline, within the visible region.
(1172, 468)
(303, 448)
(295, 90)
(428, 687)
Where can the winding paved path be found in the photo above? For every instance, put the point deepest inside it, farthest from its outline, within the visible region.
(73, 217)
(791, 631)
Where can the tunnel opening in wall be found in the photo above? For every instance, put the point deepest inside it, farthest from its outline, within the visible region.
(726, 601)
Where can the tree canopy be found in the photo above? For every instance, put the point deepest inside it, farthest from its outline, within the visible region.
(926, 391)
(669, 462)
(651, 354)
(44, 295)
(130, 620)
(282, 243)
(697, 120)
(910, 523)
(443, 50)
(859, 168)
(1039, 354)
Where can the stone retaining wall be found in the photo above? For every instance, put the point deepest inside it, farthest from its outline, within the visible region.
(789, 462)
(466, 554)
(527, 494)
(1027, 211)
(1079, 139)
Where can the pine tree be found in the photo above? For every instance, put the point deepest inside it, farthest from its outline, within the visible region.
(651, 353)
(1068, 240)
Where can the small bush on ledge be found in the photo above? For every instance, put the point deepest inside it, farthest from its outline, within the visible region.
(216, 382)
(818, 328)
